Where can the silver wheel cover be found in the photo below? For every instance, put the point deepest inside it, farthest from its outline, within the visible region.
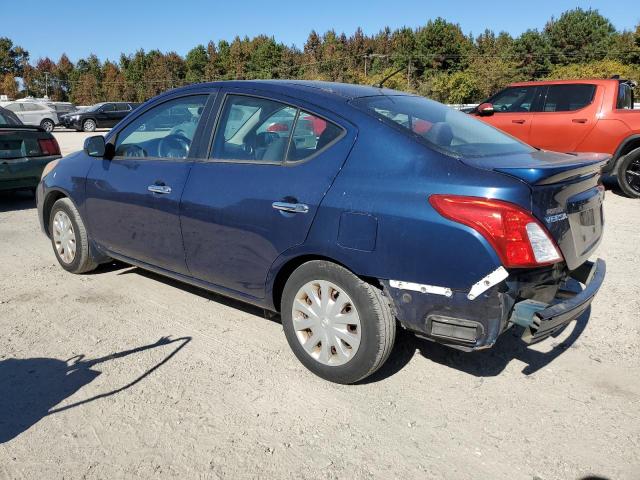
(64, 237)
(326, 322)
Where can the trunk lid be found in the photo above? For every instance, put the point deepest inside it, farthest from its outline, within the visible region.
(566, 195)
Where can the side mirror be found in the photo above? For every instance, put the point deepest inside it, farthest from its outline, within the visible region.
(95, 146)
(485, 109)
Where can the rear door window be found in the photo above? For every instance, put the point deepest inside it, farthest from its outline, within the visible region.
(311, 135)
(255, 129)
(567, 98)
(514, 99)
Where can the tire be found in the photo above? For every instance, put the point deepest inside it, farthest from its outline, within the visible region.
(81, 261)
(89, 125)
(376, 326)
(48, 125)
(628, 174)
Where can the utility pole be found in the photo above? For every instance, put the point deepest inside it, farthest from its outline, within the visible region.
(46, 84)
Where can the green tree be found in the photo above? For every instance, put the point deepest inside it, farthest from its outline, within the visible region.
(441, 46)
(196, 63)
(62, 73)
(579, 36)
(599, 69)
(9, 86)
(12, 57)
(532, 54)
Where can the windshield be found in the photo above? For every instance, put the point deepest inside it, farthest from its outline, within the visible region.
(443, 128)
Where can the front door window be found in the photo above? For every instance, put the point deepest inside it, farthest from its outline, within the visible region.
(160, 132)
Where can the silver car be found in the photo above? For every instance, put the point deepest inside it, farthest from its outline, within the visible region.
(33, 113)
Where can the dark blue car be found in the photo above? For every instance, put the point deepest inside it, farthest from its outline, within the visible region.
(366, 209)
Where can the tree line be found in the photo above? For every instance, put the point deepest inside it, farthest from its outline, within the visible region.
(437, 60)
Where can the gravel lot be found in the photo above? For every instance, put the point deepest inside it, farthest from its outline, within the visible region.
(121, 373)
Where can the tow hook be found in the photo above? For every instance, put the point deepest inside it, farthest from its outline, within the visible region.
(524, 313)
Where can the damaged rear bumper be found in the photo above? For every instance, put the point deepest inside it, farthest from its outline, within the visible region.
(540, 323)
(468, 322)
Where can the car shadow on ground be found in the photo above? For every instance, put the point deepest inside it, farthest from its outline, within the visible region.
(214, 297)
(32, 387)
(14, 201)
(483, 363)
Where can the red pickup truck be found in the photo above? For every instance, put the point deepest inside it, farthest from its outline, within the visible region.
(574, 116)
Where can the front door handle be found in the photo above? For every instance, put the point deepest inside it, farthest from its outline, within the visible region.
(518, 121)
(161, 189)
(579, 120)
(290, 207)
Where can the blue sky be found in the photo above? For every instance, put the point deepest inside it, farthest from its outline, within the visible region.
(107, 28)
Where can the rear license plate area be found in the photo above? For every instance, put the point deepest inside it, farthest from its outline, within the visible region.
(585, 219)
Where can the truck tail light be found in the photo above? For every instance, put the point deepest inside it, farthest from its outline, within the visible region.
(49, 146)
(518, 238)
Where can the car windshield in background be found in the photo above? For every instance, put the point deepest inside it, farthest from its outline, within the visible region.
(445, 129)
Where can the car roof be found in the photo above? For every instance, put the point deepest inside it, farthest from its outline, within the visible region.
(304, 88)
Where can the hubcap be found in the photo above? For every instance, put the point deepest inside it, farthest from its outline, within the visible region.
(632, 175)
(326, 322)
(64, 237)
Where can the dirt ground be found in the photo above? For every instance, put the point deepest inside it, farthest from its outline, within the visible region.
(121, 373)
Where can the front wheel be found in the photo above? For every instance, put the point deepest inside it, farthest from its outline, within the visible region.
(339, 326)
(629, 174)
(69, 238)
(48, 125)
(89, 125)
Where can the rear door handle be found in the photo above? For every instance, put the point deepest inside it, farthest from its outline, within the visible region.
(579, 120)
(160, 189)
(290, 207)
(518, 121)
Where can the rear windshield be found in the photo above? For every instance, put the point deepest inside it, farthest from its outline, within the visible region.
(625, 97)
(7, 119)
(441, 127)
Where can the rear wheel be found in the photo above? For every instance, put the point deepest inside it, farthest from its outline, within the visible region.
(629, 174)
(339, 326)
(89, 125)
(48, 125)
(69, 238)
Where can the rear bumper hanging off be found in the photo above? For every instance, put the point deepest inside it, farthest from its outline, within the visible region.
(542, 321)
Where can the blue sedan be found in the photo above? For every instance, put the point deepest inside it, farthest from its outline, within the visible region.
(351, 210)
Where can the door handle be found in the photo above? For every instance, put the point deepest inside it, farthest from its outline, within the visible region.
(160, 189)
(518, 121)
(579, 120)
(290, 207)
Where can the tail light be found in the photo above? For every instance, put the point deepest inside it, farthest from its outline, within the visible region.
(49, 146)
(518, 238)
(278, 127)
